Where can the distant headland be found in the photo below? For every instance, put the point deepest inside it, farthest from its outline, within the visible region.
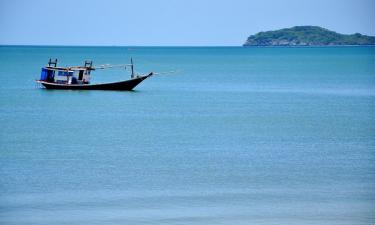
(307, 36)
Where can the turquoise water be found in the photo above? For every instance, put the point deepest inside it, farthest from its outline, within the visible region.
(237, 136)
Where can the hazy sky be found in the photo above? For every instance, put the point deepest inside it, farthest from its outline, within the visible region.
(172, 22)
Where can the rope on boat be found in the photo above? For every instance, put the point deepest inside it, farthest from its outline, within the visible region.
(171, 72)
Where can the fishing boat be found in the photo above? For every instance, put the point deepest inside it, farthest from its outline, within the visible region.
(78, 77)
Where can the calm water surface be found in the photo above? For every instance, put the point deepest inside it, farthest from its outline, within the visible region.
(238, 136)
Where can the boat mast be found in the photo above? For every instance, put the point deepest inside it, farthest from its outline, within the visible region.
(132, 67)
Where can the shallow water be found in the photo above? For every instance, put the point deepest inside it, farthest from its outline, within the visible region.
(237, 136)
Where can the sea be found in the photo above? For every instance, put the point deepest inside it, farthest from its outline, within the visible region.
(219, 136)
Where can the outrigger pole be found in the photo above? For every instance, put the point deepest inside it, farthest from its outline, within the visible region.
(107, 66)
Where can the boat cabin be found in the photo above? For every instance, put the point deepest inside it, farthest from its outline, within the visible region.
(66, 75)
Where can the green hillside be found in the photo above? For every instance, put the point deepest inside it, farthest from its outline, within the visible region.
(307, 36)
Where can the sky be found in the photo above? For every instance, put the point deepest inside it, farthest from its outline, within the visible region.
(171, 22)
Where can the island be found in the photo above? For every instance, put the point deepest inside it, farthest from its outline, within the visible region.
(307, 36)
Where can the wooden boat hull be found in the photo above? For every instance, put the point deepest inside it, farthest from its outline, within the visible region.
(127, 85)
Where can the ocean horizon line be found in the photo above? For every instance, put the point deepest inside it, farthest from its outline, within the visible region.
(183, 46)
(147, 46)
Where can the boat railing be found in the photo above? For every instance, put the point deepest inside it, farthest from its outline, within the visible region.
(52, 63)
